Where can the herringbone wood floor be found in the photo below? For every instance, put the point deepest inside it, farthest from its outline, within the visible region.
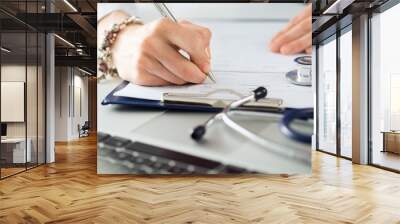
(69, 191)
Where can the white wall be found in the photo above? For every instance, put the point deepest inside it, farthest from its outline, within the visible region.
(14, 72)
(34, 125)
(70, 83)
(80, 108)
(61, 103)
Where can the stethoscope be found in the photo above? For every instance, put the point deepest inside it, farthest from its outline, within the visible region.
(302, 75)
(289, 116)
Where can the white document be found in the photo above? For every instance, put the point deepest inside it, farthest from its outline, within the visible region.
(241, 61)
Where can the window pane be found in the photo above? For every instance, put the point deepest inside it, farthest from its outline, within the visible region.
(13, 86)
(346, 94)
(32, 86)
(41, 98)
(327, 97)
(385, 84)
(31, 97)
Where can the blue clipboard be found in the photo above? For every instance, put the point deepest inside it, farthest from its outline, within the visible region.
(142, 103)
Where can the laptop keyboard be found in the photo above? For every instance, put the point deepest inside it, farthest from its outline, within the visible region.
(139, 158)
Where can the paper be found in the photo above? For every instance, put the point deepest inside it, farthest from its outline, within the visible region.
(241, 61)
(276, 84)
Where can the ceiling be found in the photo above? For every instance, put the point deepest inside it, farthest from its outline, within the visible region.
(74, 22)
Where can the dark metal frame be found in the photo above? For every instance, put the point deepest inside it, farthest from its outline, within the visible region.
(338, 98)
(369, 91)
(44, 75)
(316, 115)
(340, 30)
(333, 37)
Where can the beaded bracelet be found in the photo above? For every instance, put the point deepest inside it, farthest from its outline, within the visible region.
(105, 64)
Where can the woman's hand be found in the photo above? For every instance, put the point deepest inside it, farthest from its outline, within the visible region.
(296, 37)
(149, 54)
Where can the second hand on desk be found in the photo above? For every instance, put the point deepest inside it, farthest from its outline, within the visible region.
(164, 11)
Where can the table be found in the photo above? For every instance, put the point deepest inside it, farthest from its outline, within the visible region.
(391, 141)
(16, 153)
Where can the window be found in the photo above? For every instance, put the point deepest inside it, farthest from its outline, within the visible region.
(385, 90)
(327, 97)
(346, 93)
(22, 77)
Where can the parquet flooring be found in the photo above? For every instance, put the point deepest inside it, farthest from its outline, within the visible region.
(70, 191)
(10, 171)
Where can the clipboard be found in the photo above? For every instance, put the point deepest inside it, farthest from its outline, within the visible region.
(188, 102)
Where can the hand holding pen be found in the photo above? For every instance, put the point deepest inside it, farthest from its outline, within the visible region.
(166, 13)
(149, 54)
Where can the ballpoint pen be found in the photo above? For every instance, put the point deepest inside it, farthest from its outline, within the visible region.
(164, 11)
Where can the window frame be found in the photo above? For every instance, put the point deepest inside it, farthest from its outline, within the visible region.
(342, 26)
(334, 37)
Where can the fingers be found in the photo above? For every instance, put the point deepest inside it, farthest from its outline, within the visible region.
(166, 40)
(142, 72)
(297, 45)
(172, 60)
(150, 55)
(146, 78)
(158, 57)
(160, 71)
(309, 50)
(306, 13)
(297, 28)
(290, 25)
(298, 31)
(194, 40)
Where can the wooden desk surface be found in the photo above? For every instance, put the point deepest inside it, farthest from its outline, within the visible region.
(391, 132)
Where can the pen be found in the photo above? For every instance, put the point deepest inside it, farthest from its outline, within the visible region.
(164, 11)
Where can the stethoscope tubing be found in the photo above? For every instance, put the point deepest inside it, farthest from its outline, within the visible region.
(288, 117)
(248, 134)
(272, 146)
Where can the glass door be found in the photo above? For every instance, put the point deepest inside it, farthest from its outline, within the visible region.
(346, 94)
(14, 144)
(327, 96)
(385, 90)
(23, 89)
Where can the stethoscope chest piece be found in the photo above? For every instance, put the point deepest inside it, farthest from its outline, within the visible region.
(300, 76)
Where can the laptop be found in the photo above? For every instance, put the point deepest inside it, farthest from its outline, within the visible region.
(162, 145)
